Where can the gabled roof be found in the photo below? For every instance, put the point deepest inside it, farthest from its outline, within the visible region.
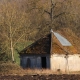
(41, 46)
(50, 44)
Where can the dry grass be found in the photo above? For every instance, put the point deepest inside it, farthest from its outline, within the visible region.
(9, 68)
(39, 71)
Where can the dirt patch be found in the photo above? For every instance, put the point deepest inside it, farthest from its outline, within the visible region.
(41, 77)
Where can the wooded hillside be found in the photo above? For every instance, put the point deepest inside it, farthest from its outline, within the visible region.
(28, 20)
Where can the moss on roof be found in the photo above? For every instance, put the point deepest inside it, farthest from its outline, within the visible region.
(48, 44)
(41, 46)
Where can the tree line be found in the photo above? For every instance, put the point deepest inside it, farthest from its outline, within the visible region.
(24, 20)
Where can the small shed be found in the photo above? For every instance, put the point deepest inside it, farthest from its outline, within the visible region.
(52, 51)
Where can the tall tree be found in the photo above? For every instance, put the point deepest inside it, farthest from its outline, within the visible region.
(12, 24)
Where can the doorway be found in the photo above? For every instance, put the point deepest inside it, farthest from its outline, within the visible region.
(43, 61)
(28, 65)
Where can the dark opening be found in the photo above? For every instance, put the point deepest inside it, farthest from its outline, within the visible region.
(43, 61)
(28, 65)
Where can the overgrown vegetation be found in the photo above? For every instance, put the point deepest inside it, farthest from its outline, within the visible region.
(9, 68)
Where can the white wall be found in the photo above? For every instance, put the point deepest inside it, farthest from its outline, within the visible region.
(72, 63)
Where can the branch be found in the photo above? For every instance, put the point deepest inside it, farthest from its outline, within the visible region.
(58, 15)
(4, 50)
(4, 35)
(47, 12)
(18, 40)
(16, 30)
(53, 5)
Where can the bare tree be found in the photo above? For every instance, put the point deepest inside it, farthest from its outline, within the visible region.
(51, 12)
(12, 21)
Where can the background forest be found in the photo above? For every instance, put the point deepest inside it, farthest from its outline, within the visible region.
(24, 21)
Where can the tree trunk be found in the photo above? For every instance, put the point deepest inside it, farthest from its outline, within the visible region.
(11, 45)
(51, 13)
(12, 52)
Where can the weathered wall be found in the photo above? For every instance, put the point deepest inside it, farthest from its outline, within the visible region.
(65, 63)
(35, 61)
(56, 62)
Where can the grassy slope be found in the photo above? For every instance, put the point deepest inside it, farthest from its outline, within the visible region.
(20, 46)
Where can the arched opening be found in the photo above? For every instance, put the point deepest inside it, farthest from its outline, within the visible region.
(28, 65)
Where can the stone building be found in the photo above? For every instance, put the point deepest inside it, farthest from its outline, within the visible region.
(52, 51)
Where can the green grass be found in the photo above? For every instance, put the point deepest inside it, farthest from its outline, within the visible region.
(20, 46)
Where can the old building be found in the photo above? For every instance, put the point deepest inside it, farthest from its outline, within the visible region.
(52, 51)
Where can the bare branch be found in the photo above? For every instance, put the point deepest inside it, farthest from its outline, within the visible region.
(4, 35)
(18, 39)
(58, 15)
(15, 30)
(53, 5)
(47, 12)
